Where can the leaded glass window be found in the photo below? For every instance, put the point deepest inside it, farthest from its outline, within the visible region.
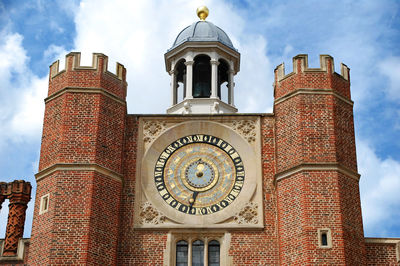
(213, 253)
(198, 253)
(182, 253)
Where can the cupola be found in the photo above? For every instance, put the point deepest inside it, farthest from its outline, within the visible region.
(202, 64)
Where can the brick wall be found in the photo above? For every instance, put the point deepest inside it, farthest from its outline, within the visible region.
(136, 247)
(383, 252)
(317, 182)
(89, 158)
(261, 247)
(80, 165)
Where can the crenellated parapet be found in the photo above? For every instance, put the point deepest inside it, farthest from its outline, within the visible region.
(314, 106)
(303, 77)
(97, 75)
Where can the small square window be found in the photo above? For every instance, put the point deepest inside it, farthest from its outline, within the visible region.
(44, 203)
(324, 238)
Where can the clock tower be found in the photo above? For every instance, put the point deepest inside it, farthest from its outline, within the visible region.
(202, 184)
(199, 173)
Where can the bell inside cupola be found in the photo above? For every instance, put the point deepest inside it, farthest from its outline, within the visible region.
(202, 64)
(202, 77)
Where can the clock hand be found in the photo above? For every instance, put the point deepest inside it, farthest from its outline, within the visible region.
(193, 198)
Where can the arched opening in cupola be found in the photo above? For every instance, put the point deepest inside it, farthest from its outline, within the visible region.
(223, 80)
(180, 72)
(202, 77)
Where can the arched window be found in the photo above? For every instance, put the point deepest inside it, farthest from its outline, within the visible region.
(213, 253)
(181, 253)
(198, 253)
(223, 79)
(202, 77)
(180, 69)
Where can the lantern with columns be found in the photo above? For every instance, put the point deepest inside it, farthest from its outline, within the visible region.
(201, 62)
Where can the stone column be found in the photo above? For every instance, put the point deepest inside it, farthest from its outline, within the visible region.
(231, 85)
(189, 79)
(174, 93)
(19, 193)
(206, 252)
(214, 78)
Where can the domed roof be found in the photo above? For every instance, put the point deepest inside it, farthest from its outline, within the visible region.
(202, 31)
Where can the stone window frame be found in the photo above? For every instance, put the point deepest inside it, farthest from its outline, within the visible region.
(174, 237)
(328, 233)
(44, 203)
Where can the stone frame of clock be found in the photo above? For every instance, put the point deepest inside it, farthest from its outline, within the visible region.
(197, 174)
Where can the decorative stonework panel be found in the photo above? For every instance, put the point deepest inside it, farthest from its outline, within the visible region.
(152, 129)
(149, 215)
(248, 214)
(173, 152)
(246, 128)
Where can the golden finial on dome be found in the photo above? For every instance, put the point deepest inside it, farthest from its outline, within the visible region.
(202, 12)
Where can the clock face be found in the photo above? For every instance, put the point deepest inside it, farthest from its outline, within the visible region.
(199, 174)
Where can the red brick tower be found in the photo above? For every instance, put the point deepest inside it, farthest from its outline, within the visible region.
(319, 212)
(80, 172)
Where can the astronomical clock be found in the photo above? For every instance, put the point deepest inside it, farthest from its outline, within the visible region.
(197, 173)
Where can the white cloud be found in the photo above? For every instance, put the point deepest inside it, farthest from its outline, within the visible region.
(21, 107)
(13, 58)
(133, 37)
(22, 92)
(390, 67)
(54, 53)
(379, 186)
(253, 90)
(27, 121)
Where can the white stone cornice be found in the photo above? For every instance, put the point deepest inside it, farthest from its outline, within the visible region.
(85, 90)
(317, 167)
(78, 167)
(312, 91)
(382, 240)
(201, 106)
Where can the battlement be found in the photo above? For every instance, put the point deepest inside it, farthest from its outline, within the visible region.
(87, 77)
(304, 78)
(300, 65)
(99, 62)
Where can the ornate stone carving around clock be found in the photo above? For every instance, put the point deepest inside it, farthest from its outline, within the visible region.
(201, 174)
(246, 128)
(149, 215)
(152, 129)
(247, 215)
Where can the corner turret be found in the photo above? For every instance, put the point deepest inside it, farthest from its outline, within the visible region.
(319, 208)
(80, 168)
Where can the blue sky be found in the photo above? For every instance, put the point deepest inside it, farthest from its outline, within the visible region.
(365, 35)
